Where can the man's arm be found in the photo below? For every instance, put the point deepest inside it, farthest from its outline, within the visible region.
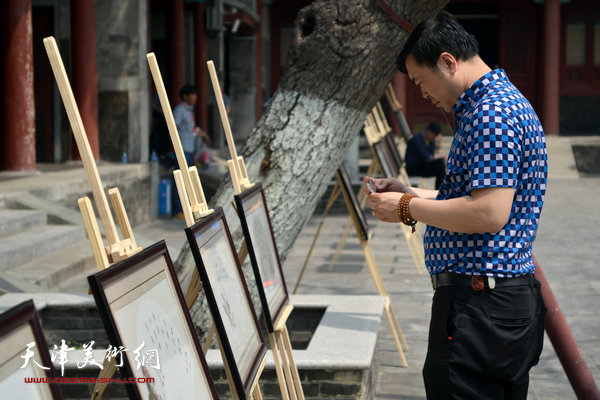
(485, 210)
(424, 193)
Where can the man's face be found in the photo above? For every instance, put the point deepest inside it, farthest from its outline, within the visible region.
(190, 98)
(430, 135)
(436, 85)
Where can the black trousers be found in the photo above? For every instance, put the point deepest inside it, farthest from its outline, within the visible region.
(435, 167)
(482, 344)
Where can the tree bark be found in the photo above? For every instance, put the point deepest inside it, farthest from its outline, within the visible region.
(341, 59)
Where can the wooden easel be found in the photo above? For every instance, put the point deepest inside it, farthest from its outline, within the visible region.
(237, 168)
(398, 110)
(375, 275)
(279, 340)
(189, 188)
(194, 206)
(378, 280)
(376, 128)
(371, 264)
(117, 249)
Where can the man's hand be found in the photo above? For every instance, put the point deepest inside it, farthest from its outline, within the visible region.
(386, 185)
(385, 205)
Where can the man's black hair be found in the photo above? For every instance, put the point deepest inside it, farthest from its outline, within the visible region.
(187, 89)
(434, 36)
(434, 127)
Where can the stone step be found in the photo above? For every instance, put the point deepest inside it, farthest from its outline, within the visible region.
(77, 283)
(53, 269)
(16, 221)
(36, 243)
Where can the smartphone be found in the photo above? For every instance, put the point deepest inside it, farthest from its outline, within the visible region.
(371, 186)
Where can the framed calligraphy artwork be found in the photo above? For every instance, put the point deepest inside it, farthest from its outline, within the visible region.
(229, 300)
(262, 249)
(143, 311)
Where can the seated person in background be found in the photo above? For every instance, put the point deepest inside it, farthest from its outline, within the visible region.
(421, 158)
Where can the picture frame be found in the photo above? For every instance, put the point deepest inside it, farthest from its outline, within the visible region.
(256, 223)
(385, 158)
(357, 211)
(229, 300)
(19, 327)
(403, 123)
(394, 151)
(140, 302)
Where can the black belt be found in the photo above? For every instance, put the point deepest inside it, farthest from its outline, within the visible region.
(478, 282)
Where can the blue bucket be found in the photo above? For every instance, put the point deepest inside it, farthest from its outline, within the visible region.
(164, 196)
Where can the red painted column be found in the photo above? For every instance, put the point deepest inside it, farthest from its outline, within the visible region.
(258, 62)
(176, 46)
(18, 102)
(85, 75)
(275, 34)
(550, 96)
(399, 83)
(201, 70)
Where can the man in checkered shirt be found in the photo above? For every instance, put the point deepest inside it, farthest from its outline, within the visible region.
(487, 319)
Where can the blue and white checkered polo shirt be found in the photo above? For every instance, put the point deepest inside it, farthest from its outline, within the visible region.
(499, 142)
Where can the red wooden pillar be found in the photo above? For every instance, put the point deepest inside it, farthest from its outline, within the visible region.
(201, 71)
(18, 99)
(399, 84)
(258, 62)
(85, 75)
(550, 97)
(176, 46)
(275, 35)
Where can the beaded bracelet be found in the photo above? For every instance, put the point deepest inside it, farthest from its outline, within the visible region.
(403, 211)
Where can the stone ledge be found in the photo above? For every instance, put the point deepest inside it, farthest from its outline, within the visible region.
(349, 323)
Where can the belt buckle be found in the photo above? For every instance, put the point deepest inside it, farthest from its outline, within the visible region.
(477, 283)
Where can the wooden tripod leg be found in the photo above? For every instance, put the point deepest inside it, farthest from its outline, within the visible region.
(93, 233)
(108, 370)
(378, 280)
(373, 269)
(183, 194)
(285, 364)
(398, 329)
(211, 334)
(362, 199)
(334, 195)
(232, 386)
(341, 244)
(395, 334)
(121, 214)
(293, 367)
(278, 368)
(256, 394)
(193, 290)
(255, 388)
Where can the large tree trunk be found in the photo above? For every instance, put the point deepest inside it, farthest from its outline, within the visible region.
(341, 59)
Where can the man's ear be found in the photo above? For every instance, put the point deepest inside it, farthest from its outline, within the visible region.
(447, 62)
